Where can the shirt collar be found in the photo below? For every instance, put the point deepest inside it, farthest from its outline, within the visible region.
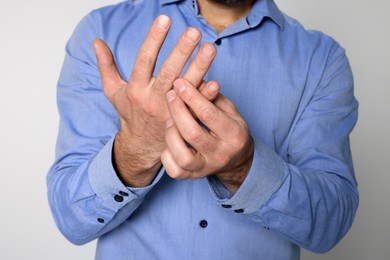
(168, 1)
(265, 9)
(261, 9)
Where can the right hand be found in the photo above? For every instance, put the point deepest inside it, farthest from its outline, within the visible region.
(140, 102)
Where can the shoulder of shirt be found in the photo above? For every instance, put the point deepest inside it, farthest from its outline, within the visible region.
(123, 6)
(311, 35)
(118, 12)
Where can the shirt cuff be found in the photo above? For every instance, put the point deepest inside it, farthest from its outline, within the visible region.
(264, 178)
(107, 185)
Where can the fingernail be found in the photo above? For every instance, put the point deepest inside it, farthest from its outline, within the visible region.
(191, 35)
(163, 22)
(214, 87)
(179, 85)
(169, 123)
(207, 51)
(171, 95)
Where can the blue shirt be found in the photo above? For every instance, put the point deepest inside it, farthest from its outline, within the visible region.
(294, 88)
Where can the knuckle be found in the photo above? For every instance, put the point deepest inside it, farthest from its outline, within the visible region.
(185, 162)
(223, 159)
(190, 96)
(107, 92)
(183, 49)
(167, 73)
(136, 75)
(177, 174)
(238, 143)
(208, 147)
(197, 138)
(173, 173)
(206, 114)
(131, 96)
(136, 99)
(192, 136)
(145, 58)
(152, 113)
(201, 64)
(156, 35)
(240, 139)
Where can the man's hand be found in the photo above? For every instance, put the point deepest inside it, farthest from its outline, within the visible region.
(141, 103)
(224, 147)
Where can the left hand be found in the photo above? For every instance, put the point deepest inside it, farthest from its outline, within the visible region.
(225, 148)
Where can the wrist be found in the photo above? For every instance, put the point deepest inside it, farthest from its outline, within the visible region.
(234, 178)
(134, 163)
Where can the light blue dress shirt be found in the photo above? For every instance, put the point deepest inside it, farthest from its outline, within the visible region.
(294, 88)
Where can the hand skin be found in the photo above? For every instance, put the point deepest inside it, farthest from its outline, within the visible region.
(224, 149)
(141, 139)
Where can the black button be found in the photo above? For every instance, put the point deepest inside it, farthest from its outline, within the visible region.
(100, 220)
(203, 223)
(124, 193)
(239, 210)
(118, 198)
(226, 206)
(218, 42)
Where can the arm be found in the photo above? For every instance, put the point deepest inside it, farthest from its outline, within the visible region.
(308, 197)
(318, 197)
(97, 180)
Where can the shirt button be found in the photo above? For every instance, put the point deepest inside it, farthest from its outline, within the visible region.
(118, 198)
(203, 223)
(226, 206)
(100, 220)
(218, 42)
(239, 210)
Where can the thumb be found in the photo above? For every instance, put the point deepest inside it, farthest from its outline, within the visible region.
(111, 79)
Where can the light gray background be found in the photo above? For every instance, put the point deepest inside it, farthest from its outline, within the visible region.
(32, 38)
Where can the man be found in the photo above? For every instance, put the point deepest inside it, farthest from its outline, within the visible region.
(222, 133)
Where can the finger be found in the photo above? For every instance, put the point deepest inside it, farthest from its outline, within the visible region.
(209, 114)
(171, 167)
(210, 90)
(109, 73)
(201, 64)
(174, 64)
(185, 157)
(227, 106)
(147, 55)
(188, 126)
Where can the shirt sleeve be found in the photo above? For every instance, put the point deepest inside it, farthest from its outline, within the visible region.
(309, 196)
(86, 197)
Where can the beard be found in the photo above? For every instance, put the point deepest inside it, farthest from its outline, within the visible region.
(229, 2)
